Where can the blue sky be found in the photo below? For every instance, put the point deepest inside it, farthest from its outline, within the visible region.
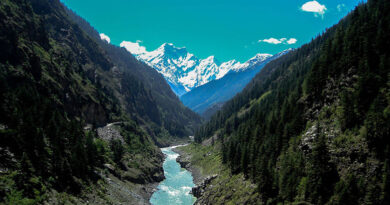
(228, 29)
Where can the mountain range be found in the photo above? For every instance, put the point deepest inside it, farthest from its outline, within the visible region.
(82, 120)
(183, 70)
(208, 98)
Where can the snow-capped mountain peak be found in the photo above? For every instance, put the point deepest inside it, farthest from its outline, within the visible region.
(210, 59)
(170, 49)
(260, 56)
(183, 70)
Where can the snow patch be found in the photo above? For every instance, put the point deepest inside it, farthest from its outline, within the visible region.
(179, 67)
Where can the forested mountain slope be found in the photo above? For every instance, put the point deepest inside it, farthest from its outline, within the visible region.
(57, 85)
(169, 111)
(313, 126)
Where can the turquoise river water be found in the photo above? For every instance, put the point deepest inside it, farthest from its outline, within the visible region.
(175, 189)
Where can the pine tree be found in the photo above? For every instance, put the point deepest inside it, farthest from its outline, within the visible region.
(321, 174)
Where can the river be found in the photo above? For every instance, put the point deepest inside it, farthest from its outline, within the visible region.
(175, 189)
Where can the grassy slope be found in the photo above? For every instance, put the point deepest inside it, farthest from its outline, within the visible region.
(226, 188)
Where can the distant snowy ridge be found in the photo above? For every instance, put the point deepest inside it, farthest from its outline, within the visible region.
(209, 98)
(183, 70)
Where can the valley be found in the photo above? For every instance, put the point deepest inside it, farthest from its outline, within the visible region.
(87, 117)
(201, 84)
(175, 189)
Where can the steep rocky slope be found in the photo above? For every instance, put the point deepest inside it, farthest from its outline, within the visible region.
(58, 85)
(166, 111)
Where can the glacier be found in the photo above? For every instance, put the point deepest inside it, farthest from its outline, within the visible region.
(183, 70)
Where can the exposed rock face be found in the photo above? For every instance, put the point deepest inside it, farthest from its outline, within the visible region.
(203, 183)
(151, 173)
(183, 161)
(198, 190)
(109, 133)
(158, 175)
(308, 139)
(350, 157)
(109, 167)
(7, 160)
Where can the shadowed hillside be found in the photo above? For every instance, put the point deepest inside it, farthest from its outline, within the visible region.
(75, 110)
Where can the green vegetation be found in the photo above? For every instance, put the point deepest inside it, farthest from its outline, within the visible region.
(318, 133)
(58, 84)
(43, 143)
(226, 188)
(146, 93)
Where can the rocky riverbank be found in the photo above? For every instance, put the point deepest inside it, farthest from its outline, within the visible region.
(201, 181)
(215, 184)
(108, 190)
(136, 177)
(184, 160)
(199, 190)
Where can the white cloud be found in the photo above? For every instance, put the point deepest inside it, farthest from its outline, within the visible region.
(133, 48)
(271, 41)
(104, 37)
(279, 41)
(314, 7)
(340, 7)
(292, 41)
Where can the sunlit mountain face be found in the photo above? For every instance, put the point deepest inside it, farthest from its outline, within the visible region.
(183, 70)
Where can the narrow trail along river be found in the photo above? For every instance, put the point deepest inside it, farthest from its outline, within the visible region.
(175, 189)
